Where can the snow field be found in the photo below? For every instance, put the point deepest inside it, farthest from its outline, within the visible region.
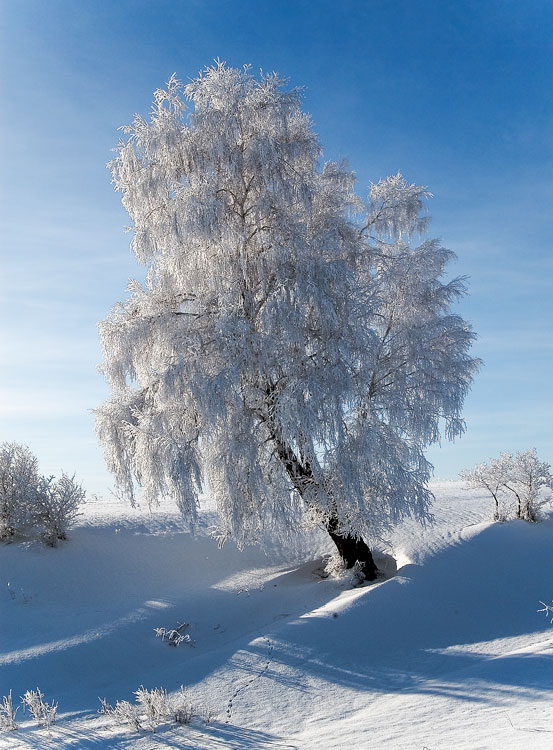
(448, 653)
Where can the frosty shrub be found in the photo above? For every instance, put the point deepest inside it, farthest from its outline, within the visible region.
(7, 714)
(155, 707)
(207, 714)
(34, 504)
(182, 708)
(18, 487)
(335, 568)
(125, 712)
(174, 636)
(294, 344)
(521, 476)
(154, 704)
(44, 713)
(106, 709)
(56, 507)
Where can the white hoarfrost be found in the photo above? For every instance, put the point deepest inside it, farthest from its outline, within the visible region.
(33, 504)
(18, 483)
(522, 477)
(292, 346)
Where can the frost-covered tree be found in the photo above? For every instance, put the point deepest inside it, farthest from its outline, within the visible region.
(491, 477)
(522, 474)
(527, 477)
(291, 345)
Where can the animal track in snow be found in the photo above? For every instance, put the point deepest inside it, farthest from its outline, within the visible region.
(249, 682)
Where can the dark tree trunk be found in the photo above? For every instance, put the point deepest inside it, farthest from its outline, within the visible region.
(350, 549)
(353, 550)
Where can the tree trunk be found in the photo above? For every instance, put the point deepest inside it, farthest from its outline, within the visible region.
(350, 548)
(519, 500)
(353, 550)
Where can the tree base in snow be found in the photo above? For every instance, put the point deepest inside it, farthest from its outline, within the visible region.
(353, 550)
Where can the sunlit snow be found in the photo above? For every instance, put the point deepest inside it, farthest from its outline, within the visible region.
(448, 653)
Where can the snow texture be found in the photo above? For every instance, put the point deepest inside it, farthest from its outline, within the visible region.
(448, 652)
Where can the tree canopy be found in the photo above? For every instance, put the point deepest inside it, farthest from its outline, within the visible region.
(292, 346)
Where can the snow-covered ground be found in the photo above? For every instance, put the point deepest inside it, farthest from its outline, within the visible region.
(448, 653)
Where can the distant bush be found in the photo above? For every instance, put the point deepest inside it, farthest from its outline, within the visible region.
(18, 487)
(56, 507)
(34, 504)
(521, 476)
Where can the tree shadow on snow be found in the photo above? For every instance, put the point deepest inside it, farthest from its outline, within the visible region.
(401, 634)
(214, 736)
(415, 631)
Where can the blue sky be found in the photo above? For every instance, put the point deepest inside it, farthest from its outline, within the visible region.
(457, 95)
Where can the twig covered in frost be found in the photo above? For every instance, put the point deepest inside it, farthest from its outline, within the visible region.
(7, 714)
(106, 708)
(44, 713)
(547, 609)
(174, 637)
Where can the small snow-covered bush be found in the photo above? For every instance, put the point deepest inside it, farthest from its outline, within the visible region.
(155, 707)
(44, 713)
(7, 714)
(106, 709)
(154, 703)
(34, 504)
(152, 707)
(56, 507)
(182, 708)
(207, 714)
(18, 486)
(335, 568)
(127, 713)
